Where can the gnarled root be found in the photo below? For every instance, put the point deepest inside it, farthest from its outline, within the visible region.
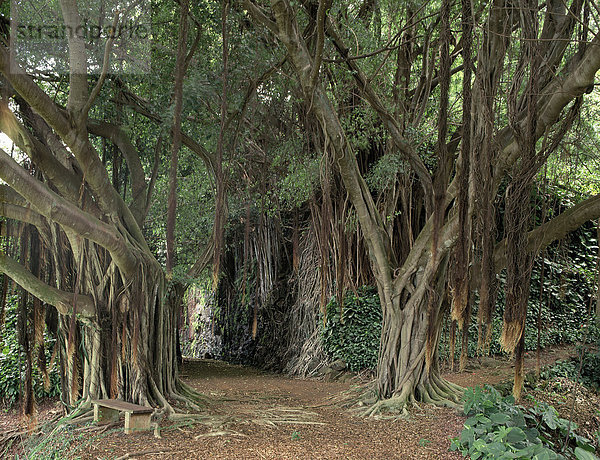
(436, 391)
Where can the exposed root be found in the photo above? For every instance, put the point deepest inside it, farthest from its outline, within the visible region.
(394, 405)
(436, 391)
(143, 453)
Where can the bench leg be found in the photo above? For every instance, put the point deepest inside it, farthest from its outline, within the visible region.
(105, 415)
(136, 422)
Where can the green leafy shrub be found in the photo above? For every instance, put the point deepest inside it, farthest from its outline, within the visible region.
(497, 428)
(352, 332)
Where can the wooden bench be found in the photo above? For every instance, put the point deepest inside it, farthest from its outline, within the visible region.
(136, 417)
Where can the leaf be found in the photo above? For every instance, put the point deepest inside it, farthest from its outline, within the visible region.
(544, 455)
(550, 419)
(471, 422)
(499, 418)
(515, 435)
(582, 454)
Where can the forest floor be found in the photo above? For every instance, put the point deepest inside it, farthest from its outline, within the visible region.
(258, 415)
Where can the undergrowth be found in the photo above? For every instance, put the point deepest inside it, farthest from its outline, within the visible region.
(497, 428)
(352, 331)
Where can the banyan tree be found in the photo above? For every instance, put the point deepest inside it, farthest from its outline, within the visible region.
(458, 106)
(79, 228)
(492, 89)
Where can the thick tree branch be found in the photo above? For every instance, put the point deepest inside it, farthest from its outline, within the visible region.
(322, 11)
(65, 180)
(34, 95)
(59, 210)
(554, 229)
(259, 16)
(63, 301)
(22, 214)
(8, 195)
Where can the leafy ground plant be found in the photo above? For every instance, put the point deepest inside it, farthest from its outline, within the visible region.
(498, 428)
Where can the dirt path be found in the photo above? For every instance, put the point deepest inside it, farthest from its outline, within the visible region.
(257, 415)
(273, 417)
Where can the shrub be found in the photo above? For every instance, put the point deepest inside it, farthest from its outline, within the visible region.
(497, 428)
(587, 358)
(352, 332)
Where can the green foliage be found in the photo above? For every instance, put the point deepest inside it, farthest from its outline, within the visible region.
(384, 173)
(299, 184)
(588, 358)
(497, 428)
(12, 367)
(352, 332)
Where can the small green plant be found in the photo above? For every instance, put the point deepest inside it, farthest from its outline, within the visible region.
(296, 435)
(424, 442)
(352, 331)
(497, 428)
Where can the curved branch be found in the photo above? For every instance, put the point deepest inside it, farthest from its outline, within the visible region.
(554, 229)
(258, 14)
(59, 210)
(65, 180)
(324, 6)
(8, 195)
(22, 214)
(106, 60)
(63, 301)
(35, 96)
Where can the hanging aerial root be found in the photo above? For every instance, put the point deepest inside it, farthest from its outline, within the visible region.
(511, 334)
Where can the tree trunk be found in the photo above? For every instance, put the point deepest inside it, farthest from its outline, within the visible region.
(407, 369)
(128, 352)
